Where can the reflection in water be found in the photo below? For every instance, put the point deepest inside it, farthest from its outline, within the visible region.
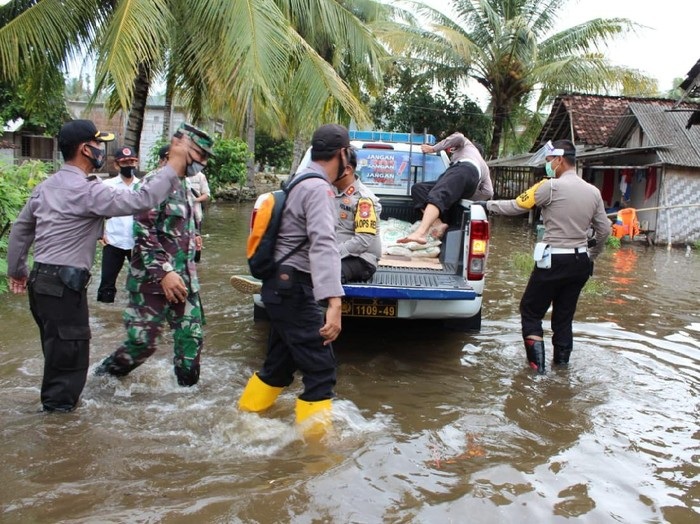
(429, 426)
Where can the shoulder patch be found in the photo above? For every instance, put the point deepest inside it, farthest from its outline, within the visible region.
(366, 217)
(526, 200)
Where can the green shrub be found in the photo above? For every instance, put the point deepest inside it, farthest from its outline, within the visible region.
(228, 165)
(16, 184)
(152, 159)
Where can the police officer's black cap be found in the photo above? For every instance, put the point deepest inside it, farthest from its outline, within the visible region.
(163, 152)
(124, 153)
(79, 131)
(329, 138)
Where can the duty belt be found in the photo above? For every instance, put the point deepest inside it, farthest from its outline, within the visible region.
(74, 278)
(568, 250)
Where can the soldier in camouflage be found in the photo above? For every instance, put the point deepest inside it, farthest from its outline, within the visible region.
(162, 281)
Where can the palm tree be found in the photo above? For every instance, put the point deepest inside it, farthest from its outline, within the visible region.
(509, 47)
(224, 53)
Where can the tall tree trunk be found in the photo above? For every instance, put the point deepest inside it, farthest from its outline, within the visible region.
(250, 140)
(168, 109)
(134, 124)
(297, 153)
(499, 118)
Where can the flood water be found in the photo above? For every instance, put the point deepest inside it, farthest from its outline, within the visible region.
(429, 425)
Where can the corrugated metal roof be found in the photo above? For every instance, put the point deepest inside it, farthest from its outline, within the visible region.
(662, 126)
(592, 118)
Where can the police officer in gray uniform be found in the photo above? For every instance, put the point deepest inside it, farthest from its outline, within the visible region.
(569, 207)
(64, 220)
(300, 337)
(358, 225)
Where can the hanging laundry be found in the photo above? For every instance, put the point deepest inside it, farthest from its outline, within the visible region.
(608, 185)
(626, 184)
(650, 187)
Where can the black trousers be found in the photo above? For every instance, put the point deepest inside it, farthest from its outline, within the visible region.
(459, 181)
(294, 342)
(112, 263)
(356, 269)
(63, 319)
(560, 287)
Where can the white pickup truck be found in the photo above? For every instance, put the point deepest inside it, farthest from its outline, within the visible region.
(389, 163)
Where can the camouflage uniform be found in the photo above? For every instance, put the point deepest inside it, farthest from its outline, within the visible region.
(163, 235)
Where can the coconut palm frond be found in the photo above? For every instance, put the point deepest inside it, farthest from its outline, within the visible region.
(126, 42)
(46, 32)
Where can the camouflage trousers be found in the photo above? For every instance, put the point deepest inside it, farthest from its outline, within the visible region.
(144, 318)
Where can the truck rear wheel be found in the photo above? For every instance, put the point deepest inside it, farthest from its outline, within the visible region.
(464, 324)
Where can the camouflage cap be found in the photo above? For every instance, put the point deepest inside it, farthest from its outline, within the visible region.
(199, 137)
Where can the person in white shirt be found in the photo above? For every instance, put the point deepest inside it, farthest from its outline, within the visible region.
(200, 190)
(118, 237)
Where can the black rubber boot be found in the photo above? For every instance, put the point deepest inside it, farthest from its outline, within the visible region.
(110, 367)
(561, 355)
(535, 354)
(187, 377)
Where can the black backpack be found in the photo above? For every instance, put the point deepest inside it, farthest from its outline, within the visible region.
(265, 226)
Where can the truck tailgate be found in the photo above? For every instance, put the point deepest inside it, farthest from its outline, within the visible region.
(398, 283)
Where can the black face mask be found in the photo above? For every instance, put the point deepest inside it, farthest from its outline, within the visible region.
(127, 171)
(341, 167)
(98, 157)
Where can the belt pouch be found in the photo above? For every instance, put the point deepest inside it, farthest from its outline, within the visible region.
(285, 278)
(542, 255)
(74, 278)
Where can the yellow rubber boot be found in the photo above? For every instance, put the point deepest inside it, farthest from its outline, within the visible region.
(314, 417)
(257, 396)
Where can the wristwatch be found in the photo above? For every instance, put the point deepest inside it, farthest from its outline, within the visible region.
(167, 267)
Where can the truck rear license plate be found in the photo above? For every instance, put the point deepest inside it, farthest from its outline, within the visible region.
(368, 307)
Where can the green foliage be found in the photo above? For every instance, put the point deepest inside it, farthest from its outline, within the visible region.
(273, 152)
(613, 243)
(228, 165)
(696, 245)
(43, 110)
(412, 104)
(522, 262)
(153, 158)
(595, 287)
(16, 184)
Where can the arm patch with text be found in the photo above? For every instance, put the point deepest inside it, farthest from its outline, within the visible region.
(526, 200)
(365, 217)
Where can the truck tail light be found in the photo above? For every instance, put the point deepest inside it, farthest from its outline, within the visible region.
(478, 249)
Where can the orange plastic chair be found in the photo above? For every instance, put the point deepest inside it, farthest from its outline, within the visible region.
(626, 223)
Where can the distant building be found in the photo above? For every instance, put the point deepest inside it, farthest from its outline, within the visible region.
(151, 132)
(637, 151)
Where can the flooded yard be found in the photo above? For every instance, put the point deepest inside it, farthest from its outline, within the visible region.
(429, 425)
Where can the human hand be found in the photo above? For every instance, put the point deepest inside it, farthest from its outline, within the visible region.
(174, 287)
(179, 150)
(331, 329)
(103, 241)
(18, 285)
(198, 242)
(427, 148)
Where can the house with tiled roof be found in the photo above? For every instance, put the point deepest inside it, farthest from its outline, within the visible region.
(637, 151)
